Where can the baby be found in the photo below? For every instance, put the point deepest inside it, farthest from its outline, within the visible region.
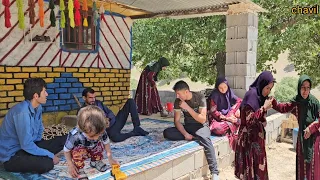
(88, 139)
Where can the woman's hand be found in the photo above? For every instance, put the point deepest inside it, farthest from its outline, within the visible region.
(232, 119)
(307, 133)
(268, 104)
(237, 114)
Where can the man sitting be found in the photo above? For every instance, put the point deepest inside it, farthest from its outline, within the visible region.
(194, 107)
(117, 122)
(22, 148)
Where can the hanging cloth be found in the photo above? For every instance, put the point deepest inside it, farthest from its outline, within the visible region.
(7, 14)
(41, 12)
(95, 13)
(85, 13)
(62, 15)
(101, 11)
(77, 16)
(20, 14)
(32, 14)
(52, 14)
(70, 12)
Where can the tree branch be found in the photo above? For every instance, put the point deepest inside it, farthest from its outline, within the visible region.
(283, 25)
(199, 53)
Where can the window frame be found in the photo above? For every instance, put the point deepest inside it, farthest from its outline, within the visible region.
(95, 29)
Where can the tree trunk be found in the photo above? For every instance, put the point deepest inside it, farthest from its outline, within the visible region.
(221, 62)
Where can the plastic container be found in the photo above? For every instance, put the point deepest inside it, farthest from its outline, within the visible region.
(294, 137)
(169, 106)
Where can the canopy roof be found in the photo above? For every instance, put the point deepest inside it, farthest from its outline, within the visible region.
(137, 9)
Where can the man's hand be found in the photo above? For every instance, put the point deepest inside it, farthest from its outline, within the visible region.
(184, 105)
(188, 137)
(73, 170)
(55, 160)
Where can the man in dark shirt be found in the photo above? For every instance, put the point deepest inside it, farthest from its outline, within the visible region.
(116, 123)
(193, 105)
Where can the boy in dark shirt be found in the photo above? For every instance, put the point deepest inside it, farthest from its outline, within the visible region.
(193, 105)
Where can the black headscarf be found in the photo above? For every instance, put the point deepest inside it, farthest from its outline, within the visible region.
(157, 66)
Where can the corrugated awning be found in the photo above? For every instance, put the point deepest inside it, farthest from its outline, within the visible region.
(137, 9)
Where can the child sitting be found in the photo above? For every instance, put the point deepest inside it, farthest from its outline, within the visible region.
(89, 138)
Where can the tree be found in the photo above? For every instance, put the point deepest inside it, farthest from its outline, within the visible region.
(286, 89)
(190, 44)
(197, 46)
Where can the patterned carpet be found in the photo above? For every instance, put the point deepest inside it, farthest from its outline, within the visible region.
(132, 149)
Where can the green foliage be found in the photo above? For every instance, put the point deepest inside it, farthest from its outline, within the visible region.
(192, 45)
(133, 83)
(286, 89)
(189, 44)
(280, 30)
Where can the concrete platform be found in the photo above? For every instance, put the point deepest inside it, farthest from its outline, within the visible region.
(187, 161)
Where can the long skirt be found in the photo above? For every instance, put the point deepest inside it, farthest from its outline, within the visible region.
(304, 170)
(147, 97)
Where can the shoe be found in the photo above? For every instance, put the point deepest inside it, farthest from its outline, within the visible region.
(170, 115)
(82, 175)
(99, 165)
(138, 131)
(47, 39)
(38, 38)
(163, 114)
(117, 173)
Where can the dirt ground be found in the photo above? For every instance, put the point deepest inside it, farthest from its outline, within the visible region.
(281, 163)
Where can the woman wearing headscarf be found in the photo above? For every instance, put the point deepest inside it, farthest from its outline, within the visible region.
(147, 96)
(306, 108)
(250, 158)
(224, 113)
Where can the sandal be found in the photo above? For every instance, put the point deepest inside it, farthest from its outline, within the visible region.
(38, 38)
(117, 173)
(99, 165)
(82, 175)
(47, 39)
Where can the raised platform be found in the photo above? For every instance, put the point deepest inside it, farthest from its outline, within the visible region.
(154, 158)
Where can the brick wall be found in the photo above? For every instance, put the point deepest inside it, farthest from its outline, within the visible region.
(111, 86)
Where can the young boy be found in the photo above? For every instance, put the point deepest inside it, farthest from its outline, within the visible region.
(194, 107)
(88, 138)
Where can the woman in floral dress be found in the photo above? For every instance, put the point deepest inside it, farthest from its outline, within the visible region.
(250, 158)
(147, 96)
(223, 111)
(306, 108)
